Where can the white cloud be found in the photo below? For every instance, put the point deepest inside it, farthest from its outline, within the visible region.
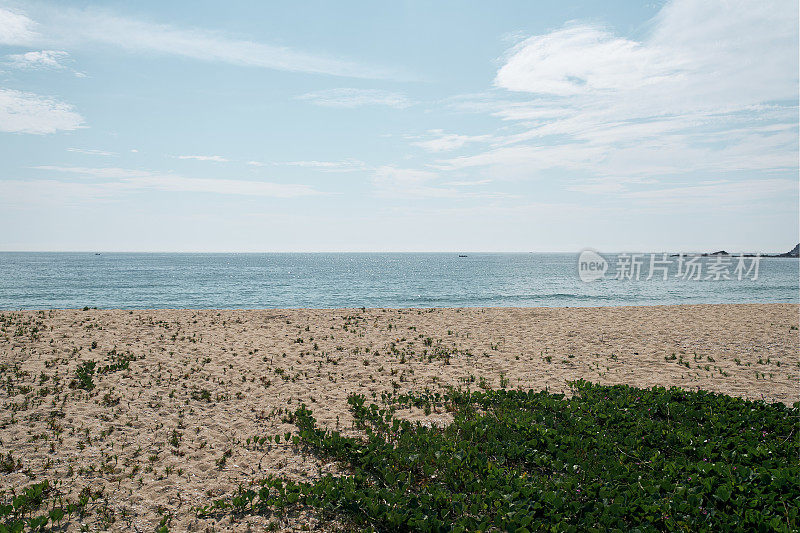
(443, 142)
(24, 112)
(346, 165)
(217, 158)
(581, 59)
(74, 27)
(350, 98)
(709, 90)
(467, 183)
(128, 180)
(698, 55)
(16, 28)
(90, 151)
(43, 59)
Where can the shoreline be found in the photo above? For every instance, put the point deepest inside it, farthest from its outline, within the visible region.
(342, 309)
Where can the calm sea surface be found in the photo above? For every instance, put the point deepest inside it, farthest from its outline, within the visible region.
(135, 281)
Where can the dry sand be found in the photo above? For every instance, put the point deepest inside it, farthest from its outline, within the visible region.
(202, 382)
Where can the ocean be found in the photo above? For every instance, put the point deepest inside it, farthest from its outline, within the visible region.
(30, 280)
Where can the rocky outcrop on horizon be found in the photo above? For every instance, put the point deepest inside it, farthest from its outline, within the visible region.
(794, 252)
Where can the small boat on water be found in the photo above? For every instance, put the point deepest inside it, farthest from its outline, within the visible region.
(460, 255)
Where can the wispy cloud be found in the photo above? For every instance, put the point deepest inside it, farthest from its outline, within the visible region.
(216, 158)
(581, 59)
(42, 59)
(16, 28)
(88, 151)
(74, 27)
(346, 165)
(467, 183)
(120, 180)
(350, 98)
(24, 112)
(439, 141)
(709, 90)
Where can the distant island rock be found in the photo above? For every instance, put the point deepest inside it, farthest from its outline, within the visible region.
(794, 252)
(791, 253)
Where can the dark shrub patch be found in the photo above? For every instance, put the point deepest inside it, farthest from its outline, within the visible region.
(609, 458)
(84, 376)
(41, 507)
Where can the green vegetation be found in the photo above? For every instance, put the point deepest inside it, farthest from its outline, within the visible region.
(607, 458)
(40, 507)
(84, 376)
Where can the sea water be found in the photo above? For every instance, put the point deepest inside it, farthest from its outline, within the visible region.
(348, 280)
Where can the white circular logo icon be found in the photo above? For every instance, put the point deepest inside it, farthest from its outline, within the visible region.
(591, 265)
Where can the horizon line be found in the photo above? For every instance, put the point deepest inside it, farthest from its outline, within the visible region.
(253, 252)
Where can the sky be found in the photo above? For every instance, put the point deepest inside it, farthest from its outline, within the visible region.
(399, 126)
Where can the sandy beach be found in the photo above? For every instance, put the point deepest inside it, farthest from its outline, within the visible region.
(169, 432)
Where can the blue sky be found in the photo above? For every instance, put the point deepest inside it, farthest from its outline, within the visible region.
(403, 126)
